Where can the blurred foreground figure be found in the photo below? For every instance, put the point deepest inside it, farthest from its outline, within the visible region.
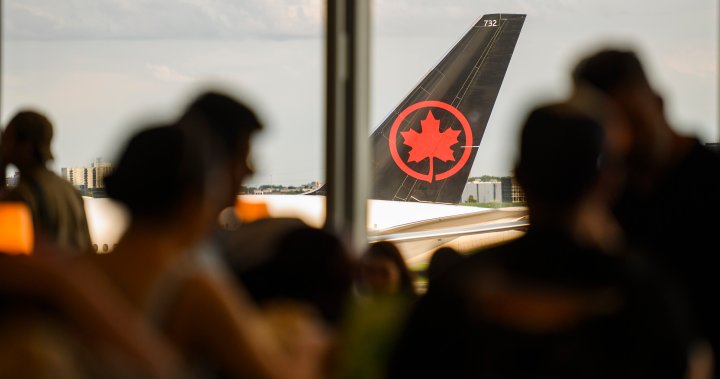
(61, 320)
(308, 266)
(383, 272)
(670, 204)
(162, 266)
(222, 128)
(296, 290)
(385, 294)
(57, 208)
(441, 261)
(304, 270)
(557, 302)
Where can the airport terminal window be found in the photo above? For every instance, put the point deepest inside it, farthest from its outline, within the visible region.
(682, 58)
(409, 40)
(102, 70)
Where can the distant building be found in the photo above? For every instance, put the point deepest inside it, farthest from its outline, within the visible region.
(511, 191)
(88, 178)
(482, 192)
(77, 176)
(99, 171)
(507, 183)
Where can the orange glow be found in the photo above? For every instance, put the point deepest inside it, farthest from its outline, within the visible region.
(250, 211)
(16, 229)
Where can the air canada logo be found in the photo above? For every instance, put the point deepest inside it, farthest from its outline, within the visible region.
(429, 142)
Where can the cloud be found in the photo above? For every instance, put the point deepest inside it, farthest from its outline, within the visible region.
(167, 74)
(161, 19)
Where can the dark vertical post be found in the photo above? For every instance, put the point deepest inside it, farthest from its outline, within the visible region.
(1, 60)
(347, 92)
(3, 168)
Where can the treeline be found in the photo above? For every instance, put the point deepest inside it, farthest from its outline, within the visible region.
(275, 188)
(485, 178)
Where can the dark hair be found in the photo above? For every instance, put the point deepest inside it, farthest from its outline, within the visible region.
(609, 70)
(224, 120)
(389, 251)
(441, 260)
(308, 265)
(156, 171)
(35, 128)
(560, 150)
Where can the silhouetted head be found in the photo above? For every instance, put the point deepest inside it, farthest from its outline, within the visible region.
(226, 119)
(611, 70)
(158, 174)
(26, 140)
(223, 126)
(308, 265)
(384, 271)
(442, 259)
(560, 153)
(620, 75)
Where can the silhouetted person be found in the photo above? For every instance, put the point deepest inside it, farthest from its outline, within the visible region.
(554, 303)
(222, 126)
(669, 207)
(61, 320)
(383, 271)
(386, 293)
(160, 266)
(57, 208)
(442, 260)
(309, 266)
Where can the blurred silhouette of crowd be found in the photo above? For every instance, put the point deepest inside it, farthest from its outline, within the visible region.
(613, 279)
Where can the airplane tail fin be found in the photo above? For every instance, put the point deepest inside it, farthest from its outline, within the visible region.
(425, 149)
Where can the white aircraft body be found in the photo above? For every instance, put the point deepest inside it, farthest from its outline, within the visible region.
(417, 228)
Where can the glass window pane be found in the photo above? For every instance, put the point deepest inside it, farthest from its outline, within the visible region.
(100, 70)
(677, 42)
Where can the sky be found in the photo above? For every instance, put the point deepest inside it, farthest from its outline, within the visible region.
(101, 69)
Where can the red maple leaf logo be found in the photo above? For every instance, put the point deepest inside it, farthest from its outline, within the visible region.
(431, 142)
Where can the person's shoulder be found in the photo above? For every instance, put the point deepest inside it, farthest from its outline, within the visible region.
(495, 250)
(699, 168)
(54, 178)
(700, 157)
(479, 260)
(528, 246)
(50, 180)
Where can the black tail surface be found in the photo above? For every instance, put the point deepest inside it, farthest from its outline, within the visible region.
(425, 149)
